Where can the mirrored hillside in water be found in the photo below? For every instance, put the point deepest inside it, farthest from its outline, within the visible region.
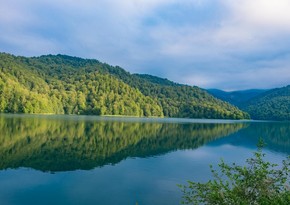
(276, 136)
(53, 159)
(63, 144)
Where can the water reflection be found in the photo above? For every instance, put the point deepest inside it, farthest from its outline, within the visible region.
(62, 144)
(276, 136)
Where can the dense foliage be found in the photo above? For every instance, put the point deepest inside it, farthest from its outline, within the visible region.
(63, 84)
(185, 101)
(272, 105)
(259, 182)
(30, 85)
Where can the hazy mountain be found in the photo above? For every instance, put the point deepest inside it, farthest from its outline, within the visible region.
(237, 98)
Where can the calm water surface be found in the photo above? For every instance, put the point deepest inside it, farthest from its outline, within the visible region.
(103, 160)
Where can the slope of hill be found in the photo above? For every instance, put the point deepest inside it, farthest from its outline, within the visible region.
(27, 85)
(237, 98)
(71, 85)
(271, 105)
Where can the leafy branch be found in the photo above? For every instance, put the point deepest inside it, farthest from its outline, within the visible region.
(258, 182)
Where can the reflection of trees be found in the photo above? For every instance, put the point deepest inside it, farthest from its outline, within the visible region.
(66, 144)
(276, 135)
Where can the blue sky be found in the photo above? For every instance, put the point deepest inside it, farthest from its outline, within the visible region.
(226, 44)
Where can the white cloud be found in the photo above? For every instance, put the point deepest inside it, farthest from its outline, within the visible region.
(273, 14)
(221, 51)
(253, 22)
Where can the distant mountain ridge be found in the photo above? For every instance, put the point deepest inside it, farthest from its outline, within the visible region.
(238, 97)
(271, 104)
(63, 84)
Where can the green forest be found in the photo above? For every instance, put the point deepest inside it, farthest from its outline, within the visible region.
(271, 105)
(60, 84)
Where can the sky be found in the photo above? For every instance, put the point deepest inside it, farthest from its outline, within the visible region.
(225, 44)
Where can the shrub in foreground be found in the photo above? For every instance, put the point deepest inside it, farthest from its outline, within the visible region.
(258, 182)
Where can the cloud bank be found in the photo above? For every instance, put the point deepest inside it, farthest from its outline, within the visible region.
(222, 44)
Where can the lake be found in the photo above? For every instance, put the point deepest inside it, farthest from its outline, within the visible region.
(58, 159)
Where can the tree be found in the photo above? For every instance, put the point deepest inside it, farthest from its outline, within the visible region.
(259, 182)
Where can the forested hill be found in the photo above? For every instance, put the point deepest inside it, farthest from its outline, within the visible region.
(271, 105)
(69, 85)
